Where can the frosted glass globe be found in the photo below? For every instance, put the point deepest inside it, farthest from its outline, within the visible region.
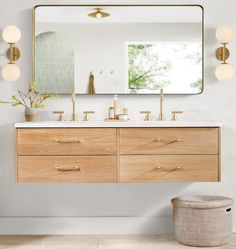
(224, 34)
(11, 34)
(224, 72)
(11, 72)
(99, 15)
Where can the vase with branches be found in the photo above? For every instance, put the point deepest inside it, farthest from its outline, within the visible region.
(32, 100)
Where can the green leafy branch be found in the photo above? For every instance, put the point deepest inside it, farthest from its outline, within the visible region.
(146, 71)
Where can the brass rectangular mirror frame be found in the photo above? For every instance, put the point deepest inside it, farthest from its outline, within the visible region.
(102, 6)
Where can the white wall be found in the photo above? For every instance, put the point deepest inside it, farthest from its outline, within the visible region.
(111, 208)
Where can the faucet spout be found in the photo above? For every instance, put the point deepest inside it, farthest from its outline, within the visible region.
(74, 116)
(161, 114)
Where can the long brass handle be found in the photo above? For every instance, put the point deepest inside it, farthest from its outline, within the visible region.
(75, 168)
(159, 168)
(160, 140)
(89, 112)
(67, 141)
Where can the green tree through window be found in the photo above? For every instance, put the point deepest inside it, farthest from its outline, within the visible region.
(145, 69)
(175, 66)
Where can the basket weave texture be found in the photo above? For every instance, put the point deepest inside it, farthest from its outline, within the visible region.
(202, 221)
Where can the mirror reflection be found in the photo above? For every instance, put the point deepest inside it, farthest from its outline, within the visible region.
(119, 49)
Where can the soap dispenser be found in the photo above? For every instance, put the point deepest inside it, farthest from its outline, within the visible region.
(116, 106)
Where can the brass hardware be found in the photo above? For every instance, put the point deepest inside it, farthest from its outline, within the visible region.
(224, 71)
(159, 168)
(160, 140)
(161, 114)
(222, 53)
(147, 115)
(68, 141)
(86, 115)
(60, 118)
(98, 13)
(75, 168)
(174, 113)
(13, 54)
(74, 116)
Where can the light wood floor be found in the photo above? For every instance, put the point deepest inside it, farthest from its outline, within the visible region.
(96, 242)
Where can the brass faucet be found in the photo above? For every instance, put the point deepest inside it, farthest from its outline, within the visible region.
(161, 114)
(147, 115)
(74, 116)
(86, 113)
(174, 113)
(60, 117)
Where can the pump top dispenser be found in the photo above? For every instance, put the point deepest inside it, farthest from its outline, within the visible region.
(116, 106)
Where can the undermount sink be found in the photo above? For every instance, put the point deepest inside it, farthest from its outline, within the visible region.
(52, 124)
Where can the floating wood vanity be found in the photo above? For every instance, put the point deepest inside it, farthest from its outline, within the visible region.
(118, 152)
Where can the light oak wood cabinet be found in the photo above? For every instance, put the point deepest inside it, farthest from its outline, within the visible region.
(118, 155)
(67, 169)
(67, 141)
(169, 168)
(169, 141)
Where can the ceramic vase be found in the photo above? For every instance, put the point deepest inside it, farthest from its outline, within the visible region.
(31, 114)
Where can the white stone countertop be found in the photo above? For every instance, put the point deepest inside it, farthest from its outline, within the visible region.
(116, 124)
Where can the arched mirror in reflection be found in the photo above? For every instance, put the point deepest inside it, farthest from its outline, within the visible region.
(54, 62)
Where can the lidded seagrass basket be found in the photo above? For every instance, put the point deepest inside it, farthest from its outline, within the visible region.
(202, 220)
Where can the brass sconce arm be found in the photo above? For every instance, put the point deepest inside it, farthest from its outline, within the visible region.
(13, 53)
(222, 53)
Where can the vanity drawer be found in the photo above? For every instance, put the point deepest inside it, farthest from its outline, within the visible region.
(169, 168)
(67, 141)
(66, 169)
(169, 141)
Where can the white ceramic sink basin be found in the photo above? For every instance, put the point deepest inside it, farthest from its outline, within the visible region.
(52, 124)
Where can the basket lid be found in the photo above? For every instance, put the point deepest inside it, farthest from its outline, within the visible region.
(202, 201)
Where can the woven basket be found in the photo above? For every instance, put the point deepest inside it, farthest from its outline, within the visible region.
(202, 220)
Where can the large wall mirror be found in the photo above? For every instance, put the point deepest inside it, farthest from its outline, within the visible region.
(118, 49)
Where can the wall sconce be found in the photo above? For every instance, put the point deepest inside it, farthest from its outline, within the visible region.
(224, 71)
(11, 35)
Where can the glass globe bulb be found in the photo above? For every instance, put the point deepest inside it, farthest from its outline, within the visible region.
(11, 34)
(224, 34)
(11, 72)
(224, 72)
(99, 15)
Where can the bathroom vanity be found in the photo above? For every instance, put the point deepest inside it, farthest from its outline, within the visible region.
(118, 152)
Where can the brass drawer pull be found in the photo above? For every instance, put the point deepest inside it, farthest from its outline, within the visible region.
(159, 168)
(75, 168)
(67, 141)
(160, 140)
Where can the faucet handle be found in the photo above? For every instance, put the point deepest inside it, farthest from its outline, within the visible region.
(147, 115)
(60, 117)
(174, 113)
(86, 113)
